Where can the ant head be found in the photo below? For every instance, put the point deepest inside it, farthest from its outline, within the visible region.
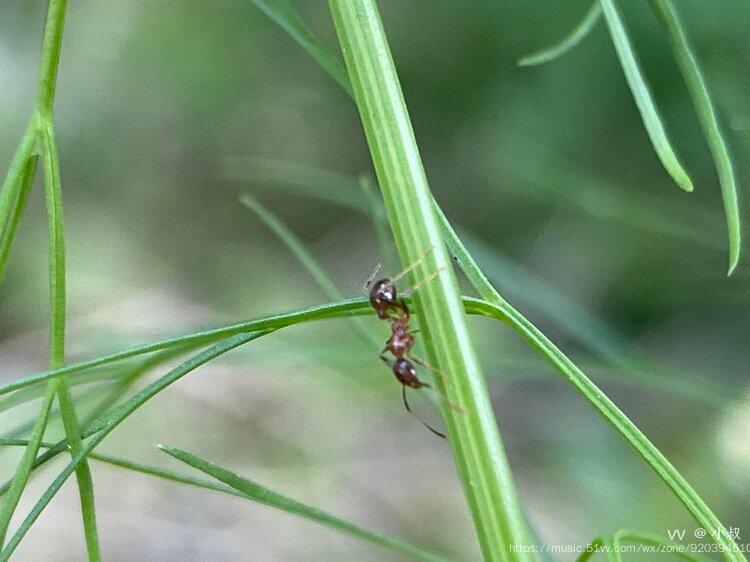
(383, 292)
(406, 373)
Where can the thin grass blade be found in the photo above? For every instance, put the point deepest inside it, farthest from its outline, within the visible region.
(594, 396)
(704, 107)
(287, 17)
(642, 95)
(21, 476)
(577, 34)
(53, 197)
(15, 213)
(268, 497)
(105, 424)
(307, 260)
(657, 541)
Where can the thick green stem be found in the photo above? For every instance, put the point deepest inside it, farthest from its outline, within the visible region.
(473, 433)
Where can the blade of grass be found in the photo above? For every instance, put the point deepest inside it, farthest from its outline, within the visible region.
(332, 186)
(53, 197)
(652, 539)
(634, 369)
(478, 452)
(642, 95)
(105, 424)
(594, 396)
(379, 219)
(599, 544)
(496, 307)
(12, 202)
(577, 34)
(300, 252)
(216, 487)
(16, 212)
(32, 393)
(268, 497)
(286, 17)
(21, 476)
(704, 107)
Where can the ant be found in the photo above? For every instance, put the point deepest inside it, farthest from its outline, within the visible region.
(384, 299)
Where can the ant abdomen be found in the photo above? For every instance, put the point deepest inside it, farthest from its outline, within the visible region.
(406, 374)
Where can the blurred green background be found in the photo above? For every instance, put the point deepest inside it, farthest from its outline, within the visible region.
(167, 111)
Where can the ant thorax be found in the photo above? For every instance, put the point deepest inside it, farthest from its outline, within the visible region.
(401, 340)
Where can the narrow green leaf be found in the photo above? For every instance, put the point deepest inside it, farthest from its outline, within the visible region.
(495, 307)
(286, 17)
(15, 175)
(577, 34)
(15, 214)
(268, 497)
(642, 95)
(32, 393)
(53, 197)
(704, 107)
(104, 425)
(599, 544)
(593, 395)
(651, 539)
(307, 260)
(21, 476)
(331, 186)
(379, 219)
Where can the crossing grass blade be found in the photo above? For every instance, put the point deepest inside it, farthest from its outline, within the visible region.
(704, 106)
(105, 424)
(261, 494)
(287, 17)
(25, 466)
(577, 34)
(642, 95)
(307, 260)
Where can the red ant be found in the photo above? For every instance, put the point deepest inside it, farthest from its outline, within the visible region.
(387, 305)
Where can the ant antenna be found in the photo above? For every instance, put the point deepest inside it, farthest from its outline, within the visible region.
(371, 276)
(413, 265)
(424, 423)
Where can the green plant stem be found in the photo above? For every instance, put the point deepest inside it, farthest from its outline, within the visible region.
(474, 436)
(40, 136)
(23, 470)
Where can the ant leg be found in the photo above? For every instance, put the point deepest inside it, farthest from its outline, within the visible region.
(425, 364)
(443, 399)
(413, 265)
(427, 279)
(371, 277)
(382, 356)
(424, 423)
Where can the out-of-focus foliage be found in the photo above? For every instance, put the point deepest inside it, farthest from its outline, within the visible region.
(548, 165)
